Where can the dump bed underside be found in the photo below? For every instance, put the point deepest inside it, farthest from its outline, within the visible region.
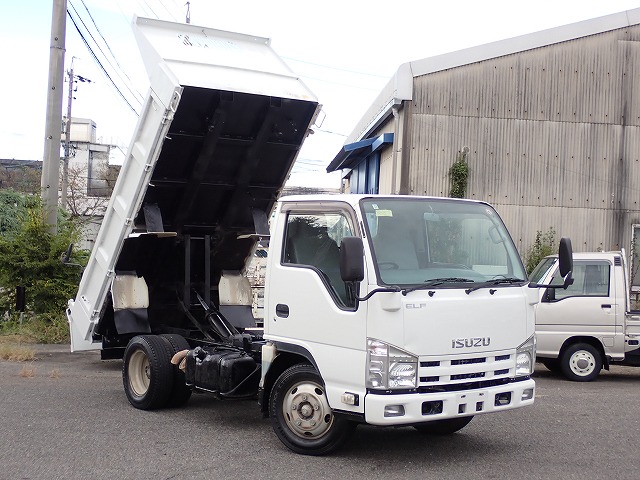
(226, 154)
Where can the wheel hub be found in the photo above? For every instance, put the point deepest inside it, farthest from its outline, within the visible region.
(307, 411)
(582, 363)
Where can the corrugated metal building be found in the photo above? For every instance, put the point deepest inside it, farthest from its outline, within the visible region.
(551, 121)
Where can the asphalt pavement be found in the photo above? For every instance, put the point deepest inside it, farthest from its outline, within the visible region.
(66, 416)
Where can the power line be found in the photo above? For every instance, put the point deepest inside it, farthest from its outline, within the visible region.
(329, 131)
(167, 10)
(104, 55)
(97, 60)
(150, 9)
(135, 93)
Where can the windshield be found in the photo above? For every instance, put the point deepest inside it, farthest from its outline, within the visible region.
(439, 242)
(541, 269)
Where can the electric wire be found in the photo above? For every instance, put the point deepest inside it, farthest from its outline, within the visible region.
(103, 54)
(167, 10)
(134, 92)
(97, 60)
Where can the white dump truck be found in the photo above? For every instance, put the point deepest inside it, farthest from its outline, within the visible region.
(385, 310)
(590, 325)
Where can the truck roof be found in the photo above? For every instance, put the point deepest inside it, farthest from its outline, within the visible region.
(354, 199)
(593, 255)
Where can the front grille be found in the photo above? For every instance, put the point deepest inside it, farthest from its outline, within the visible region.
(455, 387)
(430, 364)
(466, 376)
(449, 371)
(468, 361)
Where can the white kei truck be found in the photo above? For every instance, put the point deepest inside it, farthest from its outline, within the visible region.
(385, 310)
(590, 325)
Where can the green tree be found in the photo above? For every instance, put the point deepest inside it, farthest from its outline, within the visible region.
(30, 256)
(13, 210)
(544, 244)
(459, 175)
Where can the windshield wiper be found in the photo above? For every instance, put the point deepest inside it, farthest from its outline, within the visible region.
(434, 283)
(495, 281)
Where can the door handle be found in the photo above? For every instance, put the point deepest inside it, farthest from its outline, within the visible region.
(606, 305)
(282, 310)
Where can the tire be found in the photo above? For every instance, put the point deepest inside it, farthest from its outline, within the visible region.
(147, 372)
(443, 427)
(181, 392)
(581, 362)
(301, 416)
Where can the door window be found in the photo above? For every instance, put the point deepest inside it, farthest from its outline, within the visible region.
(313, 240)
(590, 279)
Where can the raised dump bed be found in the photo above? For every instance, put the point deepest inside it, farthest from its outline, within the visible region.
(220, 129)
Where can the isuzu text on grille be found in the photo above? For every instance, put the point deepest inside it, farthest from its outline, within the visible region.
(470, 342)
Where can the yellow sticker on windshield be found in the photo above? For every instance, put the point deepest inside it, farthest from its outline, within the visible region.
(384, 213)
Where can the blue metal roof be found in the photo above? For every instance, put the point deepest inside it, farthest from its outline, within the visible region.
(352, 153)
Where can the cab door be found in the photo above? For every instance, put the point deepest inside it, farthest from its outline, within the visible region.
(586, 308)
(308, 305)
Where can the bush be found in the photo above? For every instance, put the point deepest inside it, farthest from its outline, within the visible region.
(31, 257)
(544, 244)
(34, 328)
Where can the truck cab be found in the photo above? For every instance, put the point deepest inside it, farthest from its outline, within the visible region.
(437, 329)
(590, 325)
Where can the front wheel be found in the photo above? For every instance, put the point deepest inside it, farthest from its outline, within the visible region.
(581, 362)
(301, 416)
(443, 427)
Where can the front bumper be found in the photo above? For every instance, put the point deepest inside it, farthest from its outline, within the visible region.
(424, 407)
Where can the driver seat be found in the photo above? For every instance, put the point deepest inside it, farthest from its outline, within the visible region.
(392, 246)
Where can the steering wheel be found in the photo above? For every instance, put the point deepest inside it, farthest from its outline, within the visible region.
(388, 266)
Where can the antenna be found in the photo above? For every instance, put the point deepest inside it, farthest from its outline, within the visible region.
(188, 19)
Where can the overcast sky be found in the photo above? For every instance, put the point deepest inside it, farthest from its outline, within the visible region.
(345, 51)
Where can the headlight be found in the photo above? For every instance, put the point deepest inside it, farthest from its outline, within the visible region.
(389, 367)
(525, 355)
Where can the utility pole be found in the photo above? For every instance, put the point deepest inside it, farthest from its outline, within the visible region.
(72, 79)
(67, 140)
(53, 126)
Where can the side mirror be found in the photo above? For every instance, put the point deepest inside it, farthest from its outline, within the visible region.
(565, 256)
(351, 259)
(565, 261)
(549, 295)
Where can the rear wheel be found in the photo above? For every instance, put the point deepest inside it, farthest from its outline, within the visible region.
(301, 416)
(181, 393)
(443, 427)
(147, 372)
(581, 362)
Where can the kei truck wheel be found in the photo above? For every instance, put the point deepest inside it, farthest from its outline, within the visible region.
(581, 362)
(147, 372)
(301, 416)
